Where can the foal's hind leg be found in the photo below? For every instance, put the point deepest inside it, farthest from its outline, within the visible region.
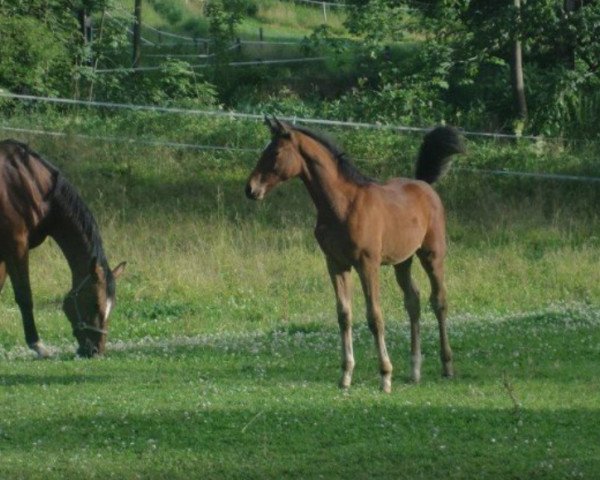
(369, 277)
(18, 270)
(342, 283)
(433, 263)
(412, 304)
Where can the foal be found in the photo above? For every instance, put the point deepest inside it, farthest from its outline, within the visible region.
(37, 201)
(363, 224)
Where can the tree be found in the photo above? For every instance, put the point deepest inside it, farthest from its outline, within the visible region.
(137, 33)
(517, 66)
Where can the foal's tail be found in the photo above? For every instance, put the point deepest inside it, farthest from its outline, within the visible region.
(436, 151)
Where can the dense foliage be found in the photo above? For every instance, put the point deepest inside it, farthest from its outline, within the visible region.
(406, 62)
(463, 68)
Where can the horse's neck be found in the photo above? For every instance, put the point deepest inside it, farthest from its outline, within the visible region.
(74, 246)
(78, 243)
(331, 192)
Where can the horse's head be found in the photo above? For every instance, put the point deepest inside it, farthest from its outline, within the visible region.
(88, 306)
(279, 162)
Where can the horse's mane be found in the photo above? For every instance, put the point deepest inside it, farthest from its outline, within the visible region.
(347, 168)
(67, 199)
(68, 202)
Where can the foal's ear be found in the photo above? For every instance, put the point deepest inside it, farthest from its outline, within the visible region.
(119, 269)
(270, 123)
(277, 128)
(282, 128)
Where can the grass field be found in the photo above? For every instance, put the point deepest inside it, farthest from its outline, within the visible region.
(263, 405)
(223, 354)
(278, 19)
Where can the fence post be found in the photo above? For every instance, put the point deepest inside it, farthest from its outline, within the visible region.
(325, 12)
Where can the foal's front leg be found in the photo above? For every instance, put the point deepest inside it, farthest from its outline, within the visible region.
(342, 283)
(369, 277)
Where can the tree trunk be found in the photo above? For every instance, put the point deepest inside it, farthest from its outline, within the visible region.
(568, 47)
(517, 69)
(85, 27)
(137, 33)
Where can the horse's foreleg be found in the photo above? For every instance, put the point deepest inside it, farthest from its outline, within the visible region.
(412, 304)
(18, 270)
(2, 274)
(369, 277)
(434, 266)
(342, 284)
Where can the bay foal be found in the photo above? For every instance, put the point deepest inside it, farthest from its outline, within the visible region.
(37, 201)
(363, 224)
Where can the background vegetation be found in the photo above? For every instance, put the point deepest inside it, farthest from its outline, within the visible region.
(223, 352)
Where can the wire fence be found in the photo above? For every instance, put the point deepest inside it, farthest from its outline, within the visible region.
(250, 63)
(254, 150)
(253, 116)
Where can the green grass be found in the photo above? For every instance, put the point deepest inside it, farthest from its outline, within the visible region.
(264, 405)
(223, 355)
(278, 19)
(288, 19)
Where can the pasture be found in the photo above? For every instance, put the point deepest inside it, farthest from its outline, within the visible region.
(223, 355)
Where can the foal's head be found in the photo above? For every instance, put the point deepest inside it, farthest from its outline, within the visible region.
(88, 305)
(280, 161)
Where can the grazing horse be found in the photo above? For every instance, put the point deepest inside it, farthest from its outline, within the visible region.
(37, 201)
(364, 224)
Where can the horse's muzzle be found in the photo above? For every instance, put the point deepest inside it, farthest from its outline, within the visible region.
(87, 353)
(250, 193)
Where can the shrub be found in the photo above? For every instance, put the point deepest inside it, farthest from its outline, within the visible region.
(32, 59)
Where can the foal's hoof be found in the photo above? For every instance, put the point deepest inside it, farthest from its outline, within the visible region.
(448, 371)
(345, 381)
(416, 368)
(40, 349)
(386, 383)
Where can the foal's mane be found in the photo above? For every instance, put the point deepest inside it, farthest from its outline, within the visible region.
(345, 165)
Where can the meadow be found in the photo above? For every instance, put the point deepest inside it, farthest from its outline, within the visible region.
(223, 354)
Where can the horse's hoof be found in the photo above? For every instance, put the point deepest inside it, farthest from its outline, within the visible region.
(40, 349)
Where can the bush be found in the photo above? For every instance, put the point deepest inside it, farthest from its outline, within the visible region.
(32, 59)
(177, 81)
(169, 9)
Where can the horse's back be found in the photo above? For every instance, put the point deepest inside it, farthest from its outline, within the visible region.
(26, 183)
(412, 217)
(410, 197)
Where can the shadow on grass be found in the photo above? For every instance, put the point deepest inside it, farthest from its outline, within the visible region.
(20, 379)
(266, 406)
(333, 439)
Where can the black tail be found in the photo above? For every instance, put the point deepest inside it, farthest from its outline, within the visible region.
(436, 151)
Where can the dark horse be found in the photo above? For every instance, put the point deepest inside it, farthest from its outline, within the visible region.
(363, 224)
(37, 201)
